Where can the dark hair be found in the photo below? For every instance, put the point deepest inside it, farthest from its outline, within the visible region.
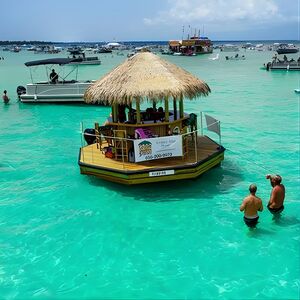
(5, 91)
(252, 188)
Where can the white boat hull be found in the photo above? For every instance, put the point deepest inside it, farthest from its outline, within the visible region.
(59, 92)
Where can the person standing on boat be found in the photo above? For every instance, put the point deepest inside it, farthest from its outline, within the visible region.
(275, 205)
(250, 206)
(5, 97)
(53, 76)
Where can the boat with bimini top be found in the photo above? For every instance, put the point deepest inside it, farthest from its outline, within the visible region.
(139, 144)
(82, 59)
(57, 88)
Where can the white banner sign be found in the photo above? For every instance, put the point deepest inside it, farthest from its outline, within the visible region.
(156, 148)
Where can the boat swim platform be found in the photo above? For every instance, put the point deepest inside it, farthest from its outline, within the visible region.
(208, 155)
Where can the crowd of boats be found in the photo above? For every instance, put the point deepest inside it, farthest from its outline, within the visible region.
(70, 89)
(117, 145)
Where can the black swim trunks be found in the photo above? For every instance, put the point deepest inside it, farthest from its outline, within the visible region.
(275, 210)
(251, 222)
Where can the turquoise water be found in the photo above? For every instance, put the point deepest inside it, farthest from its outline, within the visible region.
(65, 235)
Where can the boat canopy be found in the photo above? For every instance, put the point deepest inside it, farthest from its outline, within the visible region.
(52, 61)
(75, 52)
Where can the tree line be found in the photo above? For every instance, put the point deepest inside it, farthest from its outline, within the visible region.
(24, 42)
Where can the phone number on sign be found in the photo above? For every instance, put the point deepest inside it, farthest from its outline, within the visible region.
(157, 156)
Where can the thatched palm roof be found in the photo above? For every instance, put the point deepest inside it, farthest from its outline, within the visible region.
(145, 76)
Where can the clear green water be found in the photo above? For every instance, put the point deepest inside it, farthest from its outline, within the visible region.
(65, 235)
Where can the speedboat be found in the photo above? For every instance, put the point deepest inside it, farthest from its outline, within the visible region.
(63, 89)
(214, 58)
(81, 59)
(287, 48)
(297, 91)
(229, 48)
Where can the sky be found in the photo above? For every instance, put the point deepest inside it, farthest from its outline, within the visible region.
(142, 20)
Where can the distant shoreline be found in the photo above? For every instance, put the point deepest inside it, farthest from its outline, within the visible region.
(27, 43)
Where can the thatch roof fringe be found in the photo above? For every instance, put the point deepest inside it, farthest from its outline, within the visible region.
(145, 76)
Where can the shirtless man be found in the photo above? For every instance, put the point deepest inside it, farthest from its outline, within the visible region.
(275, 204)
(250, 205)
(5, 97)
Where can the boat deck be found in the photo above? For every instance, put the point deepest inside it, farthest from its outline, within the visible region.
(92, 156)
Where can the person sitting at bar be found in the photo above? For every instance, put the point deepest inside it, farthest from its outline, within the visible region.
(149, 114)
(121, 113)
(161, 114)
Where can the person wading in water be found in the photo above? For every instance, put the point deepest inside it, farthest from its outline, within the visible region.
(250, 206)
(275, 205)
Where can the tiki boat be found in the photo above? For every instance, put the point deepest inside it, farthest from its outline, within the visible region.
(148, 136)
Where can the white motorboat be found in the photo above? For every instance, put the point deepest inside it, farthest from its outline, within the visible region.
(81, 59)
(229, 48)
(214, 58)
(62, 90)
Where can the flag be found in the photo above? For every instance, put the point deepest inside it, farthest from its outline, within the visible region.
(213, 124)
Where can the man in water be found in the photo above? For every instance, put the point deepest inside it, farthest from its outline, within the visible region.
(53, 76)
(5, 97)
(250, 206)
(275, 204)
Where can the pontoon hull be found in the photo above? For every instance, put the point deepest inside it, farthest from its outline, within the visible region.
(60, 92)
(136, 173)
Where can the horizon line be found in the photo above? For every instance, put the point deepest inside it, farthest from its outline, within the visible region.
(143, 41)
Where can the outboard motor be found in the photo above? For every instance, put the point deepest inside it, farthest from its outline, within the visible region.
(21, 90)
(89, 136)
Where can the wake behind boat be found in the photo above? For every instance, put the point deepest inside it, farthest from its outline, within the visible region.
(62, 89)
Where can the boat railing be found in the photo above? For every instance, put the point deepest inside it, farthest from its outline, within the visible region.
(106, 144)
(286, 63)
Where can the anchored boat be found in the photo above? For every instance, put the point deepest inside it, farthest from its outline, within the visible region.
(82, 59)
(62, 89)
(140, 144)
(283, 65)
